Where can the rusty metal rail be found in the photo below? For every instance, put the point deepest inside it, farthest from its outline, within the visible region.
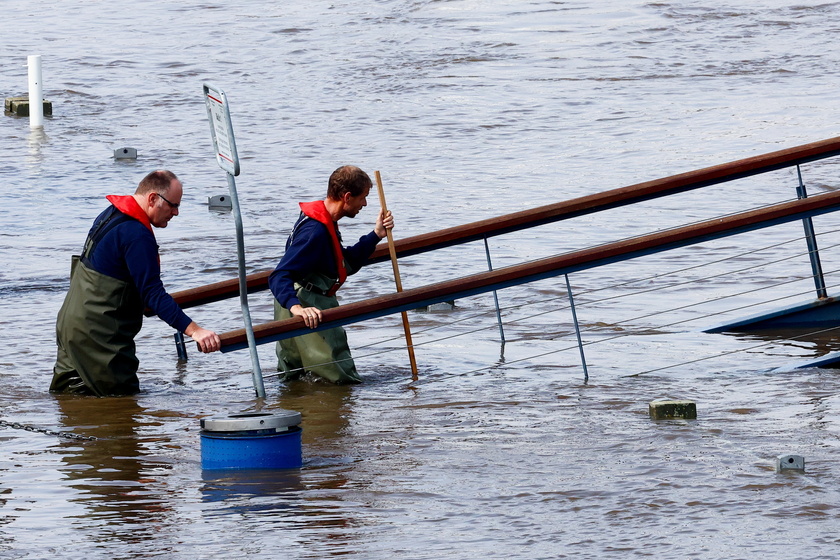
(548, 267)
(551, 213)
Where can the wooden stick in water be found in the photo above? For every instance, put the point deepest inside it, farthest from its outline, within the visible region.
(393, 252)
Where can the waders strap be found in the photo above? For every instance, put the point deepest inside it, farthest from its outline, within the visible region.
(318, 283)
(106, 224)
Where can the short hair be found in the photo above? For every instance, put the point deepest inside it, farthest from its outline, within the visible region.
(157, 181)
(348, 179)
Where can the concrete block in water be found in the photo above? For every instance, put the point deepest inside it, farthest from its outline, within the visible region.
(794, 463)
(660, 410)
(220, 201)
(125, 153)
(440, 306)
(19, 106)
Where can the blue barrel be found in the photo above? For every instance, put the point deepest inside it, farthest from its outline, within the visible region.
(260, 440)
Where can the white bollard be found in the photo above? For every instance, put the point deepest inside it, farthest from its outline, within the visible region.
(36, 92)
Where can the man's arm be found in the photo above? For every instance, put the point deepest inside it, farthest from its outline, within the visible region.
(358, 254)
(141, 257)
(310, 250)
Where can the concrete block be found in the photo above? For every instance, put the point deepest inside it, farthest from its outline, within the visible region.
(440, 306)
(660, 410)
(220, 202)
(125, 153)
(19, 106)
(794, 463)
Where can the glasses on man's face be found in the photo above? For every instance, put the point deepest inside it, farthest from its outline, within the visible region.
(171, 205)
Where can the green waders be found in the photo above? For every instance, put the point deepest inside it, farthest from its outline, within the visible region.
(324, 353)
(95, 333)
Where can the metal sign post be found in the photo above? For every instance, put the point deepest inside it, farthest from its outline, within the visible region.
(224, 143)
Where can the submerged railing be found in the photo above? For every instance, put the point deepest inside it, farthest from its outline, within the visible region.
(550, 213)
(802, 209)
(541, 269)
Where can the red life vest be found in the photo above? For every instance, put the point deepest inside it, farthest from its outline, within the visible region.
(128, 205)
(317, 210)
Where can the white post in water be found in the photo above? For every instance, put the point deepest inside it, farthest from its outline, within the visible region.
(36, 92)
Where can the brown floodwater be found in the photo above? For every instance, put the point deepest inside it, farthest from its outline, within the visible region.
(470, 110)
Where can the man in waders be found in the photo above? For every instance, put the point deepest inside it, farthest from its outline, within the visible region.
(313, 268)
(116, 277)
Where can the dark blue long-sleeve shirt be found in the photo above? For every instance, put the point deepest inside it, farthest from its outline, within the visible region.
(129, 252)
(309, 249)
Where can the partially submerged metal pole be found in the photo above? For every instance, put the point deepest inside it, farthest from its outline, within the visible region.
(221, 130)
(811, 241)
(495, 295)
(181, 346)
(577, 330)
(36, 92)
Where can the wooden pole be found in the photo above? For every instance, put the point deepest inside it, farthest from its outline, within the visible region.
(397, 280)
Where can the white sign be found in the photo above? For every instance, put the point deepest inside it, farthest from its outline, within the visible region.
(221, 129)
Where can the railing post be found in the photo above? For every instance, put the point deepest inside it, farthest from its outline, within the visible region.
(577, 329)
(495, 296)
(811, 240)
(181, 346)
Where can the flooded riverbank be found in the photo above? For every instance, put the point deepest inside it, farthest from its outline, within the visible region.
(470, 110)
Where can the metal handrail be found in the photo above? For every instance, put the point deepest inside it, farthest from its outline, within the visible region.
(543, 268)
(551, 213)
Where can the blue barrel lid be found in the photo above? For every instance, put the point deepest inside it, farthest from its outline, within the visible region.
(278, 420)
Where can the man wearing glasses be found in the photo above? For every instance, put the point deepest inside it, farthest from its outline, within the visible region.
(116, 277)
